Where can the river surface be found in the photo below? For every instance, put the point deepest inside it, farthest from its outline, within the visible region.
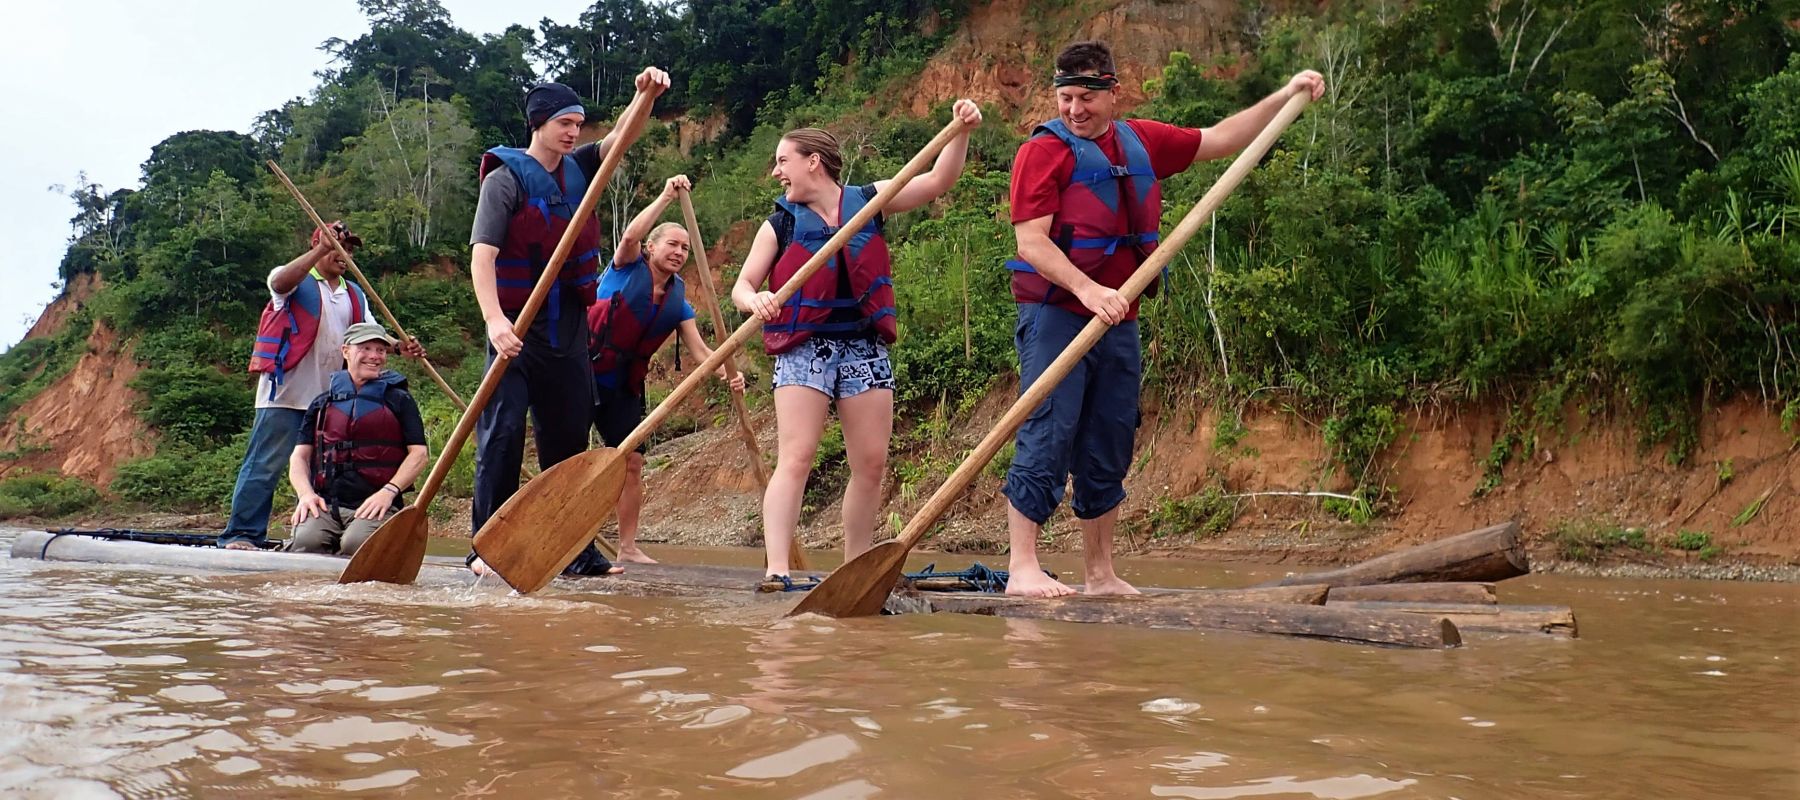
(124, 683)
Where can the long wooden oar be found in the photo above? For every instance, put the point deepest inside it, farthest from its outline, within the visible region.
(368, 287)
(396, 550)
(539, 531)
(860, 587)
(710, 299)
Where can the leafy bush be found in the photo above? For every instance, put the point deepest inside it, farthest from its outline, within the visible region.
(44, 495)
(180, 477)
(1591, 541)
(1206, 514)
(194, 405)
(1692, 541)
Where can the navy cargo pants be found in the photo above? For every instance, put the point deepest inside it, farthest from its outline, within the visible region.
(1087, 427)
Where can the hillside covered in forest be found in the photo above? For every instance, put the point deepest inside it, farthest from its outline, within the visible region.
(1526, 258)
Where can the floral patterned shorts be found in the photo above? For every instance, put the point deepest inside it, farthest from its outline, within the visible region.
(837, 367)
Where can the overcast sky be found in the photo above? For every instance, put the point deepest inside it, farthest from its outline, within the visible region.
(93, 84)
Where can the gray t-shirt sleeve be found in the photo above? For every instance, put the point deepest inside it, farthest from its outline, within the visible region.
(587, 157)
(499, 199)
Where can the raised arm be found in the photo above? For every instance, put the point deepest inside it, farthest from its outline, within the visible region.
(757, 265)
(287, 276)
(651, 81)
(1235, 132)
(944, 171)
(631, 242)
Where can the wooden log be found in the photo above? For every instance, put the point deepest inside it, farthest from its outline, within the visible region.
(1488, 554)
(698, 579)
(1312, 594)
(1306, 594)
(1479, 593)
(1476, 618)
(691, 579)
(1186, 612)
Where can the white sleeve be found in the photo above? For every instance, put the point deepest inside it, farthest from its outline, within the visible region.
(278, 299)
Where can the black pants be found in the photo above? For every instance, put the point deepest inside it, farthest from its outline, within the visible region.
(558, 390)
(616, 414)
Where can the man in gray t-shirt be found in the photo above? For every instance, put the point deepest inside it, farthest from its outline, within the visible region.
(500, 200)
(549, 375)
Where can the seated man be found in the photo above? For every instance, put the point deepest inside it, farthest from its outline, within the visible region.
(361, 444)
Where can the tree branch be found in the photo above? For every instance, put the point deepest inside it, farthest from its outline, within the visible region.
(1682, 117)
(1542, 50)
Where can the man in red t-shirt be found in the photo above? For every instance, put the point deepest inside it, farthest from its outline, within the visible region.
(1085, 209)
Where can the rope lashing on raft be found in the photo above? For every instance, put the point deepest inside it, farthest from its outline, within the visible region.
(978, 577)
(132, 535)
(789, 585)
(44, 554)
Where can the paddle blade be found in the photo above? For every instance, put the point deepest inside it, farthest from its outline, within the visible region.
(551, 518)
(393, 553)
(859, 588)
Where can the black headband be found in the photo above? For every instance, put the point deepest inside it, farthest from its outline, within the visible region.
(1101, 82)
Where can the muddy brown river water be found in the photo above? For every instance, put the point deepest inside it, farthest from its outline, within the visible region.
(125, 683)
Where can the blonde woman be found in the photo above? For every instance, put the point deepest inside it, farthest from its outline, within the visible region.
(830, 340)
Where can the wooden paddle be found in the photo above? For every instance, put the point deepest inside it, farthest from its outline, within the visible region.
(368, 287)
(860, 588)
(710, 299)
(536, 533)
(396, 550)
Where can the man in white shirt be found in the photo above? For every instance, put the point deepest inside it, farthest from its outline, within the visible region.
(309, 302)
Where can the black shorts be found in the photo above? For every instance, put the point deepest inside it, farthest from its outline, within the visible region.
(616, 414)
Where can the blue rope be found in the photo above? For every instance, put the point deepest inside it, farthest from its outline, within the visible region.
(788, 584)
(977, 578)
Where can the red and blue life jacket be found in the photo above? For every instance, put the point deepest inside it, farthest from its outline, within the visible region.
(1105, 206)
(537, 227)
(626, 329)
(357, 430)
(285, 336)
(865, 258)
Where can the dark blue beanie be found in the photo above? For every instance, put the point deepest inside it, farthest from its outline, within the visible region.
(547, 101)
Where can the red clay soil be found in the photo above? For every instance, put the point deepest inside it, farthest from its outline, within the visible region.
(57, 314)
(84, 419)
(700, 492)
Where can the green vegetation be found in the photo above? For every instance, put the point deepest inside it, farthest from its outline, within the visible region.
(37, 495)
(1750, 511)
(180, 477)
(1591, 541)
(34, 364)
(1589, 204)
(1692, 541)
(1203, 515)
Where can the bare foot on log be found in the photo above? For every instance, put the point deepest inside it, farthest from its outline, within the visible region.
(1111, 585)
(633, 555)
(240, 544)
(1034, 583)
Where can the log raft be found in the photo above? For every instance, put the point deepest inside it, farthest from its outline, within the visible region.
(1298, 610)
(1425, 596)
(1477, 593)
(1477, 618)
(1198, 611)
